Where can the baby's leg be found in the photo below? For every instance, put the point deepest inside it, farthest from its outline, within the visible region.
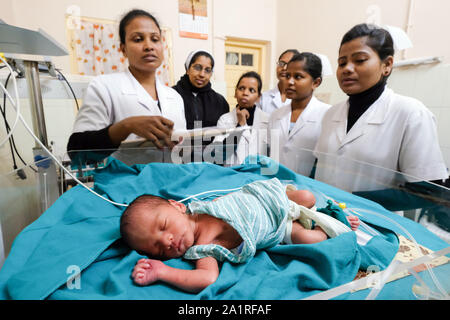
(302, 197)
(300, 235)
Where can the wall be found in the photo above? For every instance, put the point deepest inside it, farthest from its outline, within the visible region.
(249, 19)
(430, 28)
(319, 25)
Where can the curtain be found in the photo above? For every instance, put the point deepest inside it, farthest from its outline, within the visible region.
(97, 50)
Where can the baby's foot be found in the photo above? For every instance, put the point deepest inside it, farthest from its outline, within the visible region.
(145, 271)
(354, 222)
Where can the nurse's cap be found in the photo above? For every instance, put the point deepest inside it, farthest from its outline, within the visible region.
(326, 65)
(191, 55)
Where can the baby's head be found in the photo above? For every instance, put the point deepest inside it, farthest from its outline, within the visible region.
(157, 227)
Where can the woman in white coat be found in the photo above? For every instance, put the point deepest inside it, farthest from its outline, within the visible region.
(275, 98)
(295, 128)
(133, 103)
(376, 131)
(252, 140)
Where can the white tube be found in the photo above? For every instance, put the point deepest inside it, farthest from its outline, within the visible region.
(433, 277)
(199, 194)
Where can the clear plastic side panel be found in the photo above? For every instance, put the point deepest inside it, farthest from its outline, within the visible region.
(417, 271)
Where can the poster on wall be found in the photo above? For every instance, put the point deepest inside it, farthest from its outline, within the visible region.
(193, 17)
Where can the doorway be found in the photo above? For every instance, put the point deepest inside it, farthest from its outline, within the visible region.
(242, 56)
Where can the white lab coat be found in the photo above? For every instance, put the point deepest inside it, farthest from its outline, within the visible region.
(113, 97)
(294, 149)
(396, 132)
(253, 140)
(271, 100)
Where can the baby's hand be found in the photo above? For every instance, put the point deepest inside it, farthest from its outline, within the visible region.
(146, 271)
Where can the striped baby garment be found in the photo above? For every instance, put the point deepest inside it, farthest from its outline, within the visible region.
(258, 212)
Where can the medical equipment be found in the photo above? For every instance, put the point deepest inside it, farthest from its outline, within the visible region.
(26, 50)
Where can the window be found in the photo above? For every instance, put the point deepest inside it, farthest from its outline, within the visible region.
(247, 59)
(232, 58)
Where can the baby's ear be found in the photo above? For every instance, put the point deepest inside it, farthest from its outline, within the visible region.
(180, 206)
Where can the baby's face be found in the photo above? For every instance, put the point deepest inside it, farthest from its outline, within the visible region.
(165, 233)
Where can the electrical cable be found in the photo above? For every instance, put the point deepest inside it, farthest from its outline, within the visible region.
(3, 111)
(70, 87)
(12, 142)
(16, 105)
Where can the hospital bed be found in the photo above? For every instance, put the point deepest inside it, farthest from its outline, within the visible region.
(71, 249)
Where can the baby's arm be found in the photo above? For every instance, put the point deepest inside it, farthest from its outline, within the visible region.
(147, 271)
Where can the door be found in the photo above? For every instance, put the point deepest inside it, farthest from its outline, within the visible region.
(241, 57)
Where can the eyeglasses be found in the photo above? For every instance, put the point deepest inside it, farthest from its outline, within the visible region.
(281, 64)
(199, 68)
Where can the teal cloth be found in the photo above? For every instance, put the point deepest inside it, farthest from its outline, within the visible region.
(82, 230)
(258, 212)
(336, 212)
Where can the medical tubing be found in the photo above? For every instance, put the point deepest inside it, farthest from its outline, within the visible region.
(19, 115)
(367, 281)
(383, 279)
(433, 277)
(424, 287)
(15, 105)
(199, 194)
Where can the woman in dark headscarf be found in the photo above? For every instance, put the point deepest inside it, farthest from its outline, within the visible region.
(201, 102)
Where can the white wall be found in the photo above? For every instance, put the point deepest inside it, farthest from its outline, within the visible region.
(318, 26)
(248, 19)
